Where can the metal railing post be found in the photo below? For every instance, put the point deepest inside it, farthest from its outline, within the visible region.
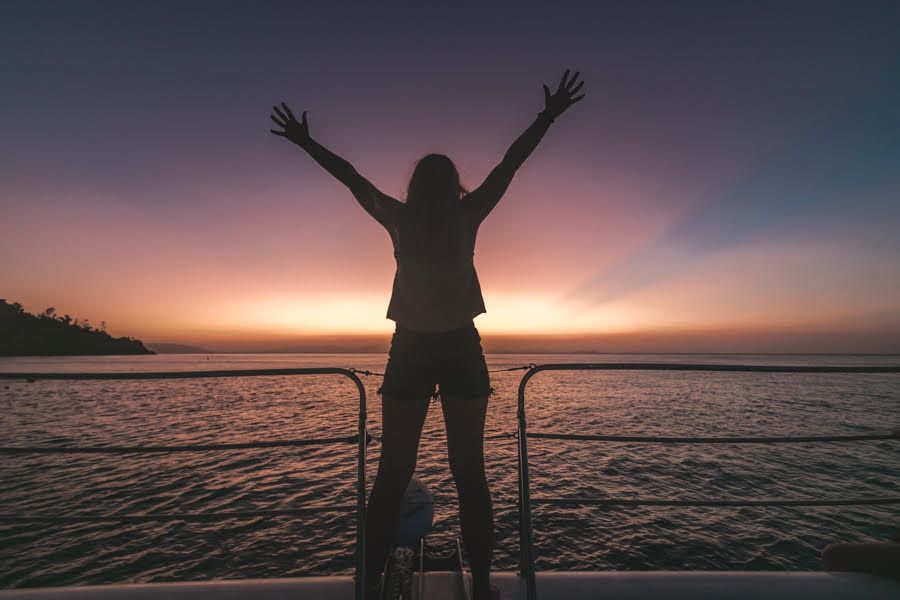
(526, 556)
(362, 443)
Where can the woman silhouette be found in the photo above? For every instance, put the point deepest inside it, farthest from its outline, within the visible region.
(435, 297)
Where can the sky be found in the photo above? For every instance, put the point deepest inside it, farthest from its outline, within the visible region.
(730, 183)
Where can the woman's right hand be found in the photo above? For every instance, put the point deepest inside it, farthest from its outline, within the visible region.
(557, 103)
(292, 130)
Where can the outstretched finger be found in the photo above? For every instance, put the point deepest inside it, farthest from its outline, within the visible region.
(572, 81)
(546, 94)
(277, 122)
(288, 111)
(303, 119)
(280, 114)
(577, 98)
(575, 89)
(281, 133)
(562, 82)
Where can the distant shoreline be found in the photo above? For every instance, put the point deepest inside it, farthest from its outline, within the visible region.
(523, 352)
(23, 334)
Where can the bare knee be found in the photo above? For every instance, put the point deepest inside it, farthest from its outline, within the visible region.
(395, 471)
(468, 472)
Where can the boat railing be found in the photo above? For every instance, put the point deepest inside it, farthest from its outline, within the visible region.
(361, 438)
(525, 501)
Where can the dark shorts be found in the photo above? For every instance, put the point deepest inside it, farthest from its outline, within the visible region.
(453, 361)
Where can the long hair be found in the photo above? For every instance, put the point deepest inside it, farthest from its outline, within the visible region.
(432, 225)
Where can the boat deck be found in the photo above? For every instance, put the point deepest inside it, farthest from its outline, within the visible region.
(618, 585)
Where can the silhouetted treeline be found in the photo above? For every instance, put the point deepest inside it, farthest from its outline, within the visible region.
(49, 334)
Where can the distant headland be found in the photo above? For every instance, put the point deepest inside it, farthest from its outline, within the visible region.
(49, 334)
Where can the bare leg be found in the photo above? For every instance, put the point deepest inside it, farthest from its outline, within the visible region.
(402, 421)
(464, 419)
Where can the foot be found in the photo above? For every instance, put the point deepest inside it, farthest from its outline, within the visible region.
(493, 593)
(372, 590)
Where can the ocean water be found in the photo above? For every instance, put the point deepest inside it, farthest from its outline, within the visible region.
(566, 538)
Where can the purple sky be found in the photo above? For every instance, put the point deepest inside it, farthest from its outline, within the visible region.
(734, 168)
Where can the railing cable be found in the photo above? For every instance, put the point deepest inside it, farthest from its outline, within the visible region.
(895, 435)
(147, 518)
(365, 372)
(519, 368)
(775, 502)
(350, 439)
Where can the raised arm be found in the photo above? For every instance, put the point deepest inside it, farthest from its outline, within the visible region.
(485, 197)
(373, 200)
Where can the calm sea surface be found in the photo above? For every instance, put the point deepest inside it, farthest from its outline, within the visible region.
(65, 413)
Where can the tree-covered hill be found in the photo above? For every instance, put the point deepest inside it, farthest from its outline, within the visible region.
(49, 334)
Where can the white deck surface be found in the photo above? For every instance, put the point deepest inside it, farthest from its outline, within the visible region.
(551, 586)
